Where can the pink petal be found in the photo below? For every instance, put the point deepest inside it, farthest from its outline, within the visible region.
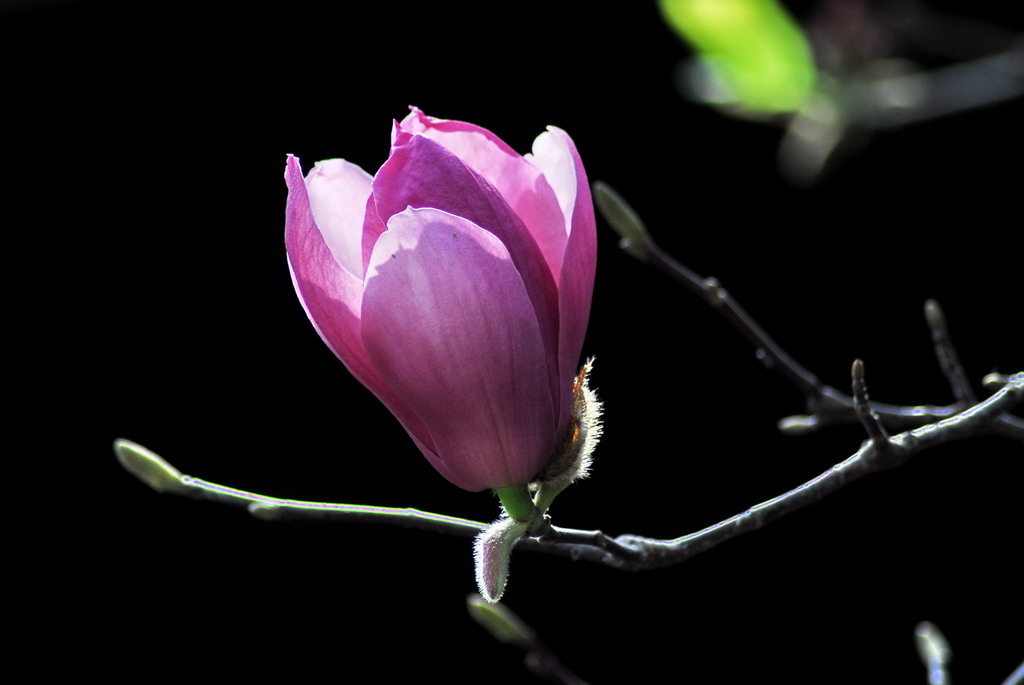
(555, 154)
(422, 173)
(338, 192)
(462, 350)
(373, 226)
(330, 294)
(332, 299)
(522, 185)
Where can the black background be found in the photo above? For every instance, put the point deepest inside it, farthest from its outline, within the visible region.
(147, 147)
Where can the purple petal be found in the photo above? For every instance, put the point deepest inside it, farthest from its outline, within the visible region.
(422, 173)
(521, 184)
(555, 154)
(449, 325)
(332, 299)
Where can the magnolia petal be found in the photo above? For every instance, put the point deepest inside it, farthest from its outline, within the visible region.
(443, 301)
(521, 184)
(556, 154)
(332, 299)
(422, 173)
(338, 191)
(373, 226)
(330, 294)
(552, 153)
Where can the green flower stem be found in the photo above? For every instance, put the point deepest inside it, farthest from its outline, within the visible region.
(519, 504)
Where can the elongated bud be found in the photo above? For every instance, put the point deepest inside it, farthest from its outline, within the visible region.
(623, 219)
(499, 621)
(147, 466)
(799, 424)
(934, 651)
(491, 553)
(932, 646)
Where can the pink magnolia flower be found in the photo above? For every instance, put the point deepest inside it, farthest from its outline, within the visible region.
(456, 286)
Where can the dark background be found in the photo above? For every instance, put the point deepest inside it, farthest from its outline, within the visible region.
(147, 147)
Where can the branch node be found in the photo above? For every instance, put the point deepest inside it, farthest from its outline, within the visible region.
(265, 512)
(716, 294)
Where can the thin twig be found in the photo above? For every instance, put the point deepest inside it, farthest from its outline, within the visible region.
(826, 404)
(631, 552)
(156, 472)
(771, 354)
(872, 424)
(1017, 677)
(942, 92)
(949, 361)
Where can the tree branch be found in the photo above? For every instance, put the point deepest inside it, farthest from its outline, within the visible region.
(872, 457)
(632, 552)
(879, 452)
(827, 405)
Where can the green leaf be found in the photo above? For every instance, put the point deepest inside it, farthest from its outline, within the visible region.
(753, 49)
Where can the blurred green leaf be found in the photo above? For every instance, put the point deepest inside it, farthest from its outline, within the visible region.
(753, 48)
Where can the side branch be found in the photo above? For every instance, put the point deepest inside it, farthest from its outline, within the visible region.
(946, 354)
(826, 405)
(868, 418)
(770, 353)
(156, 472)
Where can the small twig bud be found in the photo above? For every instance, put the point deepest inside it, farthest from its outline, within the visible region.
(933, 648)
(265, 512)
(798, 424)
(994, 381)
(868, 417)
(148, 467)
(624, 220)
(501, 623)
(949, 361)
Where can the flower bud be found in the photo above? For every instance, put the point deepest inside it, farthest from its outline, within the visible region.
(455, 284)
